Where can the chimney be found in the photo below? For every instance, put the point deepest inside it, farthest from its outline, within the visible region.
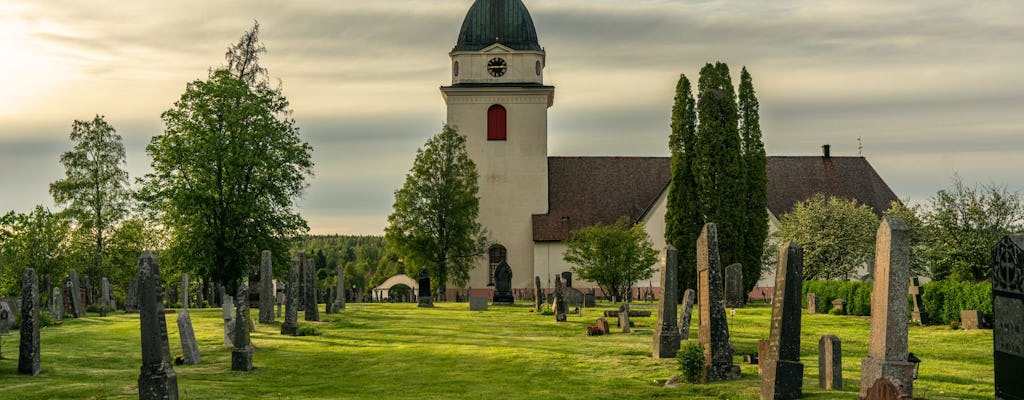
(826, 151)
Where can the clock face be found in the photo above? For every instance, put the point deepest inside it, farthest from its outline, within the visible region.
(497, 67)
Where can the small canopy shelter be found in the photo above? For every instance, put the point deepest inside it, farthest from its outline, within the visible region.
(384, 289)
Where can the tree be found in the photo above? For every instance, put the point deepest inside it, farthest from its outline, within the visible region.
(95, 187)
(913, 217)
(36, 240)
(434, 219)
(682, 219)
(755, 164)
(613, 256)
(964, 223)
(838, 235)
(226, 172)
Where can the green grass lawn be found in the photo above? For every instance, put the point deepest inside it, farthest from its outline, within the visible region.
(398, 351)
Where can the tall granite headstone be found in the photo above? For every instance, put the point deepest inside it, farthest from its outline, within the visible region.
(424, 289)
(301, 283)
(339, 301)
(887, 348)
(28, 348)
(538, 295)
(157, 380)
(183, 291)
(266, 288)
(812, 303)
(782, 375)
(919, 316)
(312, 309)
(131, 301)
(1008, 316)
(104, 296)
(189, 346)
(77, 302)
(830, 363)
(241, 355)
(560, 308)
(227, 313)
(291, 312)
(567, 279)
(714, 327)
(666, 333)
(686, 313)
(734, 286)
(503, 285)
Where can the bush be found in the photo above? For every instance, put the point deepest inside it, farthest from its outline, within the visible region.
(307, 330)
(856, 294)
(45, 320)
(943, 300)
(691, 361)
(836, 311)
(546, 310)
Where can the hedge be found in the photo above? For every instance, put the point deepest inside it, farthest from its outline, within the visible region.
(857, 295)
(943, 300)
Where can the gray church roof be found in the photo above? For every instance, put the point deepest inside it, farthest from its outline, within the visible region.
(506, 22)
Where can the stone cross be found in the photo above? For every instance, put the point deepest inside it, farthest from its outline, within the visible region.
(183, 292)
(1008, 316)
(227, 312)
(57, 303)
(560, 308)
(266, 288)
(734, 286)
(916, 291)
(624, 317)
(339, 302)
(887, 348)
(157, 380)
(189, 347)
(312, 309)
(782, 375)
(812, 303)
(131, 301)
(666, 333)
(28, 348)
(424, 289)
(77, 306)
(104, 296)
(714, 327)
(241, 355)
(830, 363)
(538, 295)
(291, 311)
(686, 313)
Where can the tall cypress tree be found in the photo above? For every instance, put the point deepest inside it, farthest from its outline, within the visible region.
(682, 220)
(755, 164)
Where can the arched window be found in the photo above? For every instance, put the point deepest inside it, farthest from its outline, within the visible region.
(497, 122)
(495, 256)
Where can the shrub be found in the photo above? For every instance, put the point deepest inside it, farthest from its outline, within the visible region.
(307, 330)
(691, 361)
(954, 325)
(856, 294)
(836, 311)
(546, 310)
(943, 300)
(179, 359)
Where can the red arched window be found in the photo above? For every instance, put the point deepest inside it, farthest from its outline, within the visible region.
(497, 123)
(495, 255)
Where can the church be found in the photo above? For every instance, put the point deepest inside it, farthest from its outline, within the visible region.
(530, 202)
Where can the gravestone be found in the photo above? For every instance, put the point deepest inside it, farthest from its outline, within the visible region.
(560, 309)
(339, 302)
(839, 304)
(312, 309)
(602, 325)
(624, 317)
(87, 292)
(477, 303)
(241, 355)
(970, 319)
(538, 296)
(46, 290)
(157, 380)
(886, 388)
(830, 363)
(104, 297)
(227, 313)
(266, 288)
(887, 349)
(567, 279)
(782, 374)
(666, 333)
(503, 285)
(812, 303)
(131, 301)
(590, 299)
(686, 313)
(916, 291)
(183, 292)
(714, 328)
(291, 311)
(424, 289)
(77, 302)
(329, 300)
(57, 303)
(6, 318)
(28, 348)
(301, 283)
(189, 347)
(1008, 316)
(280, 303)
(762, 352)
(734, 286)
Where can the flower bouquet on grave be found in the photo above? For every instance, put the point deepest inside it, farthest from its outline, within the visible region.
(594, 331)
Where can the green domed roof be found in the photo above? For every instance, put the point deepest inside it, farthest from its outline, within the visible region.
(497, 21)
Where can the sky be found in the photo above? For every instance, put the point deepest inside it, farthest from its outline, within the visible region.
(925, 89)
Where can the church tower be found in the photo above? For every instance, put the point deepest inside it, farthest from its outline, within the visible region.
(498, 100)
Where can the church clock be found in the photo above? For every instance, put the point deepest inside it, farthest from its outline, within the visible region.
(497, 67)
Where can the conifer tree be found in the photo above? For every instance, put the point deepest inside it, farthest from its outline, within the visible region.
(755, 164)
(682, 221)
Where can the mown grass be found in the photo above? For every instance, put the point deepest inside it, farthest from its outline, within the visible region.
(398, 351)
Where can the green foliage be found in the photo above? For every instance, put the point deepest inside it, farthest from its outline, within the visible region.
(755, 164)
(613, 256)
(433, 224)
(943, 300)
(682, 219)
(917, 234)
(366, 259)
(692, 362)
(836, 310)
(838, 235)
(226, 172)
(856, 294)
(36, 240)
(307, 330)
(45, 320)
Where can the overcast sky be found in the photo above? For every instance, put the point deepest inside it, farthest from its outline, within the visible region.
(931, 87)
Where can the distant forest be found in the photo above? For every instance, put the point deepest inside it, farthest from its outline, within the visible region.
(367, 262)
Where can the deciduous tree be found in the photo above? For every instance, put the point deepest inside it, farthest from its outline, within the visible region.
(614, 256)
(838, 235)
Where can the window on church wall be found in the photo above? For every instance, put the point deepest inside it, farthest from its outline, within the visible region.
(495, 256)
(497, 123)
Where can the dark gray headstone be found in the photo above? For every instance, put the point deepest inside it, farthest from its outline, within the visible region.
(183, 292)
(1008, 316)
(686, 313)
(266, 288)
(291, 312)
(567, 279)
(131, 301)
(157, 380)
(887, 348)
(538, 295)
(503, 284)
(830, 363)
(339, 301)
(916, 291)
(77, 300)
(241, 355)
(734, 295)
(301, 283)
(590, 299)
(6, 317)
(312, 308)
(812, 303)
(714, 327)
(477, 303)
(666, 333)
(970, 319)
(28, 348)
(425, 300)
(782, 375)
(624, 317)
(189, 347)
(559, 307)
